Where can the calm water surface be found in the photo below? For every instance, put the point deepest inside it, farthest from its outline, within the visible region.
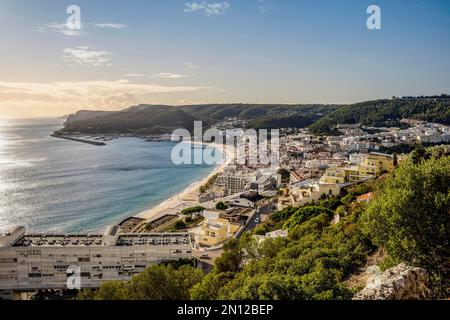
(55, 185)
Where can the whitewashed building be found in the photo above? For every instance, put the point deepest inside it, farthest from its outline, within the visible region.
(39, 261)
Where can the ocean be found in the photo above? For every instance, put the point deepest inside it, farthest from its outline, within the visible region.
(53, 185)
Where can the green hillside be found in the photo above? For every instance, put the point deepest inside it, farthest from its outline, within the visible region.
(321, 119)
(157, 119)
(387, 112)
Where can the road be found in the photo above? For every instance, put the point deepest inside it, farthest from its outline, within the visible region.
(261, 212)
(206, 264)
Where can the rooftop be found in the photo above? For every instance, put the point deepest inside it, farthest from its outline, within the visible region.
(59, 240)
(96, 240)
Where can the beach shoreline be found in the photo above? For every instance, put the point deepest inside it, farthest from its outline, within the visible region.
(189, 196)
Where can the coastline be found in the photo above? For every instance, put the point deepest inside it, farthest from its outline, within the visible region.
(188, 196)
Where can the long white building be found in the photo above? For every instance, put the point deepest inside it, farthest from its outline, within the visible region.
(39, 261)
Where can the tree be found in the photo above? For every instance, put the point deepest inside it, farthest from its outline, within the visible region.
(306, 213)
(418, 155)
(180, 224)
(231, 258)
(411, 217)
(221, 206)
(209, 288)
(158, 282)
(112, 290)
(192, 210)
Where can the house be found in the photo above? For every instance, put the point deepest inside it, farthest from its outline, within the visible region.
(271, 235)
(246, 200)
(214, 230)
(242, 202)
(383, 162)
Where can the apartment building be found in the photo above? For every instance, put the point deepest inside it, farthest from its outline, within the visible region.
(40, 261)
(235, 183)
(307, 191)
(372, 165)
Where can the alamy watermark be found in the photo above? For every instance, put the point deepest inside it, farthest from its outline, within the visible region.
(74, 20)
(374, 20)
(245, 147)
(73, 278)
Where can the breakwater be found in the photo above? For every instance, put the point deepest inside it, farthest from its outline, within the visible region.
(95, 143)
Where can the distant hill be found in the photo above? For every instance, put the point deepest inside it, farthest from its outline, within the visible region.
(321, 119)
(159, 119)
(387, 112)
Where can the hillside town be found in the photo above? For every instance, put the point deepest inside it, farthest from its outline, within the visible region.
(311, 168)
(236, 199)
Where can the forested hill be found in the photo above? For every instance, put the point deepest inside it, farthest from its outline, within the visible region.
(387, 112)
(158, 119)
(321, 119)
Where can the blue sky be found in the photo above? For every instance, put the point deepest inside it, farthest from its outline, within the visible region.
(180, 52)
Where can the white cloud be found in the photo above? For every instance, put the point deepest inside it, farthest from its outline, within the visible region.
(134, 75)
(59, 28)
(110, 25)
(168, 75)
(62, 28)
(190, 65)
(262, 6)
(84, 56)
(208, 8)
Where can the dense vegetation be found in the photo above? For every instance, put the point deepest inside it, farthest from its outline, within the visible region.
(158, 282)
(409, 218)
(386, 112)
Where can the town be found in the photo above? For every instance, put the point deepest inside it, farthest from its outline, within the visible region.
(236, 199)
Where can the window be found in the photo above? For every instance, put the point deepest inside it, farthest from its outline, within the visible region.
(84, 259)
(35, 275)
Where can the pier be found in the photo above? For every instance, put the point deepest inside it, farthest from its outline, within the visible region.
(95, 143)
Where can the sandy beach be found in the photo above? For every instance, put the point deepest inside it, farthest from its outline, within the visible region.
(187, 197)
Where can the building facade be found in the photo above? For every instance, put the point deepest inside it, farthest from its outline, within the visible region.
(33, 262)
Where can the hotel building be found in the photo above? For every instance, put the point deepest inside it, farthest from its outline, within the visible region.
(39, 261)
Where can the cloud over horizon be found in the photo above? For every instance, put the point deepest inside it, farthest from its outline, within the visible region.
(169, 75)
(76, 95)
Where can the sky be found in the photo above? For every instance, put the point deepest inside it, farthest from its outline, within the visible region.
(213, 51)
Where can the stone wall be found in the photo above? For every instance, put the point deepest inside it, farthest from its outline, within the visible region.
(399, 283)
